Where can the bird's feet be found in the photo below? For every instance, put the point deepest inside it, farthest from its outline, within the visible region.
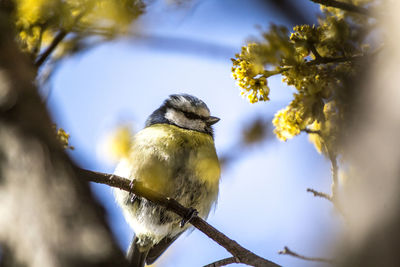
(131, 197)
(189, 216)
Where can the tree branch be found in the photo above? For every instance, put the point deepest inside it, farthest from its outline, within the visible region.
(315, 52)
(326, 60)
(37, 179)
(312, 131)
(287, 251)
(319, 61)
(334, 186)
(320, 194)
(243, 255)
(223, 262)
(59, 37)
(344, 6)
(334, 170)
(56, 41)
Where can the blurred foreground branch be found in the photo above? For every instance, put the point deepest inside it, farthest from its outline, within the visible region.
(371, 196)
(48, 216)
(243, 255)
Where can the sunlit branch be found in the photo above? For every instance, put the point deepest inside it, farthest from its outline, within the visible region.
(319, 194)
(319, 60)
(223, 262)
(287, 251)
(343, 6)
(326, 60)
(243, 255)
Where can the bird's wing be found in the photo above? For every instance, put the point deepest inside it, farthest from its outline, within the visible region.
(159, 248)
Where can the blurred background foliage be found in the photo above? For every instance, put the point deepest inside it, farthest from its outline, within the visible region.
(39, 22)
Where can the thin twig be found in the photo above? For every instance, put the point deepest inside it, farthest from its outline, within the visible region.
(322, 60)
(243, 255)
(59, 37)
(39, 42)
(223, 262)
(334, 170)
(312, 131)
(56, 41)
(326, 60)
(319, 194)
(315, 52)
(287, 251)
(344, 6)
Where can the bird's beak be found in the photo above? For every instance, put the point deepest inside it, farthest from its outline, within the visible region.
(212, 120)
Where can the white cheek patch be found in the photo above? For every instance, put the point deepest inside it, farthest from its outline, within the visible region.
(179, 119)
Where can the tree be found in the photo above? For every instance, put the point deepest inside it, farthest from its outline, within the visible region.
(323, 62)
(336, 68)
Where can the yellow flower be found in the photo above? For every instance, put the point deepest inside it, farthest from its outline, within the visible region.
(63, 137)
(287, 123)
(249, 75)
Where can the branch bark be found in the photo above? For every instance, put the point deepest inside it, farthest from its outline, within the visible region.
(287, 251)
(322, 60)
(223, 262)
(344, 6)
(243, 255)
(320, 194)
(56, 41)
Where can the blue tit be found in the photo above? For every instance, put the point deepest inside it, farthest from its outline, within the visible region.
(174, 155)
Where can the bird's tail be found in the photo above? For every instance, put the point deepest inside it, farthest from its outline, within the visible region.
(136, 256)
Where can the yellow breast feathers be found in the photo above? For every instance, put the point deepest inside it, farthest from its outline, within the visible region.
(164, 152)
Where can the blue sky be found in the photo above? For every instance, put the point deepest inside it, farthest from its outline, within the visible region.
(263, 203)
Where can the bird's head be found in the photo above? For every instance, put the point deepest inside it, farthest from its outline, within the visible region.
(185, 111)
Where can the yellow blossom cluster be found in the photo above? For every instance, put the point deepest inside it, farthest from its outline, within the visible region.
(304, 37)
(249, 75)
(291, 120)
(63, 137)
(318, 61)
(37, 21)
(287, 123)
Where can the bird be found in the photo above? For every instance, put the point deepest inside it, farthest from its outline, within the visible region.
(175, 155)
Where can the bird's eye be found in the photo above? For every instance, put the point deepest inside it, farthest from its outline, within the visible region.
(187, 114)
(192, 116)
